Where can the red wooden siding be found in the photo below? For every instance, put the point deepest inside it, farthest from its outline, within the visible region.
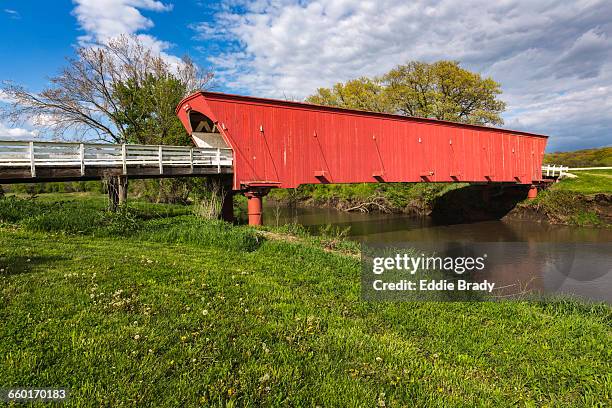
(304, 144)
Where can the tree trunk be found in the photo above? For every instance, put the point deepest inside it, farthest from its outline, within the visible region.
(113, 193)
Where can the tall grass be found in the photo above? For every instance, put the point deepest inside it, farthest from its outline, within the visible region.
(208, 206)
(190, 230)
(87, 219)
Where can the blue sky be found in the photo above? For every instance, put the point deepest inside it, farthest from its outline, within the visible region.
(39, 35)
(553, 58)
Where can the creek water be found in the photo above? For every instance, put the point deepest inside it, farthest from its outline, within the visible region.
(589, 250)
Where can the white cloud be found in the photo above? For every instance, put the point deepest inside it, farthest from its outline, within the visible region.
(14, 14)
(8, 133)
(552, 57)
(106, 19)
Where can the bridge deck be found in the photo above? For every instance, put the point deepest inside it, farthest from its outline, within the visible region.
(32, 162)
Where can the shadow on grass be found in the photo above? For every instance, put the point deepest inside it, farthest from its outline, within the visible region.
(17, 265)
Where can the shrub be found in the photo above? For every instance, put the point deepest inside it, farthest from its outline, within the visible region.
(124, 222)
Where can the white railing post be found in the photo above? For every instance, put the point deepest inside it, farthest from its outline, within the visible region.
(124, 158)
(191, 158)
(161, 163)
(82, 158)
(77, 156)
(32, 162)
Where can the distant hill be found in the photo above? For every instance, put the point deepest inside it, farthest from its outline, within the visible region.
(582, 158)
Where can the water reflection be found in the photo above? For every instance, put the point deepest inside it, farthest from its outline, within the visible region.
(527, 269)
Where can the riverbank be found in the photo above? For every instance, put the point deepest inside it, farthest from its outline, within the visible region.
(585, 200)
(398, 198)
(566, 208)
(153, 306)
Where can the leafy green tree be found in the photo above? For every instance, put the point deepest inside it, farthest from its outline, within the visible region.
(363, 93)
(440, 90)
(152, 101)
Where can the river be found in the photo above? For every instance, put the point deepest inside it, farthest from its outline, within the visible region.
(586, 248)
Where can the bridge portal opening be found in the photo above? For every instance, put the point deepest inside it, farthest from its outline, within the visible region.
(205, 131)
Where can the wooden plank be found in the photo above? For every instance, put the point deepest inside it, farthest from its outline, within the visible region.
(22, 150)
(43, 161)
(161, 163)
(21, 156)
(123, 158)
(32, 160)
(82, 154)
(14, 142)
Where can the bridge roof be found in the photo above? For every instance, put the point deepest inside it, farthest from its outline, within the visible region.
(324, 108)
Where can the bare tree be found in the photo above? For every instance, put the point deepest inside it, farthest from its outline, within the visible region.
(116, 92)
(81, 98)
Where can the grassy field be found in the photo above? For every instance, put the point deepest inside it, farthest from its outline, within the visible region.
(601, 157)
(587, 182)
(155, 307)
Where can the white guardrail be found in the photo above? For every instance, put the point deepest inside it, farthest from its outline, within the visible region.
(60, 154)
(554, 170)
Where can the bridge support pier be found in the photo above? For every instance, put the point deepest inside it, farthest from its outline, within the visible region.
(122, 182)
(113, 193)
(255, 205)
(117, 191)
(533, 192)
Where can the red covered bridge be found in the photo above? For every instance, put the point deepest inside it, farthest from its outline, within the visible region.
(285, 144)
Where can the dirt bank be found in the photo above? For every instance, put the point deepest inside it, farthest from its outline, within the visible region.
(565, 207)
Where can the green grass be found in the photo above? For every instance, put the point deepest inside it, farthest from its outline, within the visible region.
(136, 222)
(587, 182)
(185, 312)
